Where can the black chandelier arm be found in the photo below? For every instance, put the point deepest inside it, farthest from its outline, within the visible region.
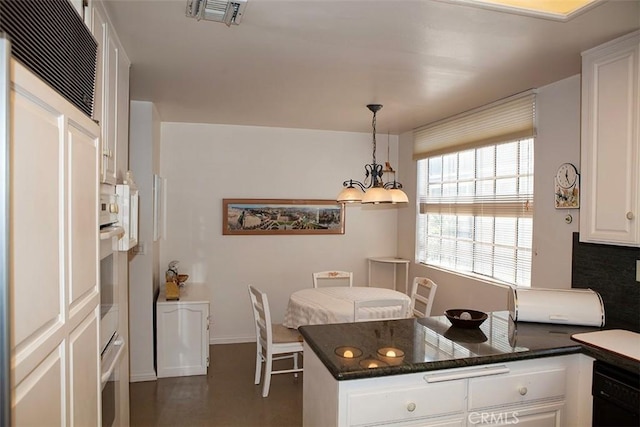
(393, 185)
(350, 183)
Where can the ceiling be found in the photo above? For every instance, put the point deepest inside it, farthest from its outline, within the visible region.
(315, 64)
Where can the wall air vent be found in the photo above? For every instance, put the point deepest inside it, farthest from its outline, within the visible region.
(50, 38)
(226, 11)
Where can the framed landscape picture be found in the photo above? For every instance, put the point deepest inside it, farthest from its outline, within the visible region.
(281, 216)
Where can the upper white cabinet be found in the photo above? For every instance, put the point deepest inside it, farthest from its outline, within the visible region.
(112, 95)
(610, 149)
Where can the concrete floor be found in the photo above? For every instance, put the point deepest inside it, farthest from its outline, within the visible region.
(226, 396)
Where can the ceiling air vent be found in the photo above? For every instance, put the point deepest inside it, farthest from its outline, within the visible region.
(229, 12)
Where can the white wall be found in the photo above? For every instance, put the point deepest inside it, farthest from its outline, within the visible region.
(205, 163)
(144, 161)
(558, 141)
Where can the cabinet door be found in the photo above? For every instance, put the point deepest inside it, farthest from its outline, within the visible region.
(110, 113)
(106, 92)
(82, 185)
(183, 339)
(516, 388)
(546, 415)
(122, 116)
(84, 372)
(610, 154)
(404, 403)
(53, 242)
(37, 264)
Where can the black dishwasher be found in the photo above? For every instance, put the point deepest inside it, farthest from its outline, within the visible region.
(616, 396)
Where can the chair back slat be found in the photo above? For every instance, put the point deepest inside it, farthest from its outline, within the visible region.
(360, 306)
(261, 314)
(422, 295)
(332, 278)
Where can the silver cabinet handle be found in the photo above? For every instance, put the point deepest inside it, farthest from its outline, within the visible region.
(630, 215)
(411, 407)
(470, 373)
(522, 391)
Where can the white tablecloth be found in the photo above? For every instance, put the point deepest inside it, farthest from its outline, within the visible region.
(319, 306)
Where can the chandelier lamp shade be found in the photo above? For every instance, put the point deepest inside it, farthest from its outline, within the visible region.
(373, 190)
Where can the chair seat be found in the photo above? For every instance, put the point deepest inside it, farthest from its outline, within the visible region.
(282, 334)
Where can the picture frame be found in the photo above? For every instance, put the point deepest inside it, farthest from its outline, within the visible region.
(282, 217)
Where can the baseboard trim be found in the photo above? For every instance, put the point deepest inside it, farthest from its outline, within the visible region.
(232, 340)
(138, 378)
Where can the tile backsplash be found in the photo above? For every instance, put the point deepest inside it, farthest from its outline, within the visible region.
(610, 271)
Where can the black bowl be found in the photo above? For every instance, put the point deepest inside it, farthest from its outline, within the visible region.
(477, 317)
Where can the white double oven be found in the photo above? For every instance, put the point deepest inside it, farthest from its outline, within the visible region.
(118, 209)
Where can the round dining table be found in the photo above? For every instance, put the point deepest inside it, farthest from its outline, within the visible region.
(320, 306)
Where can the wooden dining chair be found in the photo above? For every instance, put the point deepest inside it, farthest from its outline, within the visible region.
(333, 278)
(272, 340)
(362, 315)
(423, 292)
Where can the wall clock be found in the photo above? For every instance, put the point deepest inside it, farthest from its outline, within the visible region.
(567, 187)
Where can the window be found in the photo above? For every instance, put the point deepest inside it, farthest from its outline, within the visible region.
(475, 213)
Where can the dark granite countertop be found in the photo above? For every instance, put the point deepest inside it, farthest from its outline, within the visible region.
(432, 343)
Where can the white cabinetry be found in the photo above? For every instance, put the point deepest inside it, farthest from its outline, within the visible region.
(183, 333)
(55, 356)
(112, 94)
(537, 392)
(610, 151)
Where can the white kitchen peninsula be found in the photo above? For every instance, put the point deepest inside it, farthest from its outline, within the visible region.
(499, 374)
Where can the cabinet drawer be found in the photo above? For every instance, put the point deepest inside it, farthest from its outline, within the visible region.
(406, 403)
(516, 388)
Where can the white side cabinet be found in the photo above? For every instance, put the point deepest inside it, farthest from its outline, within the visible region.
(183, 333)
(552, 392)
(610, 147)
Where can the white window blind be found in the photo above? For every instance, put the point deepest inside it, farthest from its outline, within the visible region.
(508, 119)
(475, 211)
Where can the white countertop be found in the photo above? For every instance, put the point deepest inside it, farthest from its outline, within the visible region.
(619, 341)
(189, 293)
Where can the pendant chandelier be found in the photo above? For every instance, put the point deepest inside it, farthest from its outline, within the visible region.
(373, 190)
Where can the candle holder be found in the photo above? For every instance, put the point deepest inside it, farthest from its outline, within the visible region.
(348, 352)
(348, 355)
(391, 355)
(372, 363)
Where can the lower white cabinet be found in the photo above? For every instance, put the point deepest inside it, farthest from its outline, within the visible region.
(553, 391)
(183, 333)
